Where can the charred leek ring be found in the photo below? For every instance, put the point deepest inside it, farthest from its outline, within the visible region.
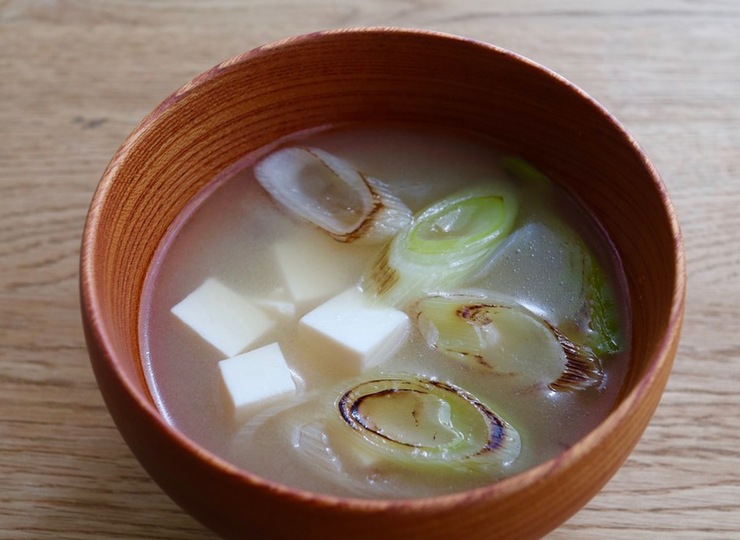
(424, 420)
(495, 333)
(446, 242)
(332, 195)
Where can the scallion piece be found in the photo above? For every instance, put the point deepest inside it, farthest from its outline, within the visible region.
(331, 194)
(525, 171)
(418, 421)
(496, 334)
(605, 335)
(551, 271)
(445, 243)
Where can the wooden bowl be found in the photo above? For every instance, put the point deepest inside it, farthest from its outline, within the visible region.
(356, 75)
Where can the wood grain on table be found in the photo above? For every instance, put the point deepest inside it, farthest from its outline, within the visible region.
(75, 78)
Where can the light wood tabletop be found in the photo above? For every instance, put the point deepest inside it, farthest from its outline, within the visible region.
(76, 76)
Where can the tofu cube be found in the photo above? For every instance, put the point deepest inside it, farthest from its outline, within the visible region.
(309, 274)
(278, 305)
(255, 379)
(352, 334)
(223, 317)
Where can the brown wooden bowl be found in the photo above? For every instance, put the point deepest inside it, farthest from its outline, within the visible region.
(355, 75)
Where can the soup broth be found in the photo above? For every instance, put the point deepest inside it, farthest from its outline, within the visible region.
(231, 232)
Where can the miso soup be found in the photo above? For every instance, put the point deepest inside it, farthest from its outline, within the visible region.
(385, 311)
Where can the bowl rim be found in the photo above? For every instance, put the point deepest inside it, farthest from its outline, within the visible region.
(91, 303)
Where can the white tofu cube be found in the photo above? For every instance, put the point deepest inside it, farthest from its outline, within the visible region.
(255, 379)
(279, 308)
(277, 304)
(351, 334)
(309, 271)
(223, 317)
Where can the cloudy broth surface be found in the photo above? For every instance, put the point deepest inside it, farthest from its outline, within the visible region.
(229, 232)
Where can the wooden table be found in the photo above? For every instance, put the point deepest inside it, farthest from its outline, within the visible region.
(77, 75)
